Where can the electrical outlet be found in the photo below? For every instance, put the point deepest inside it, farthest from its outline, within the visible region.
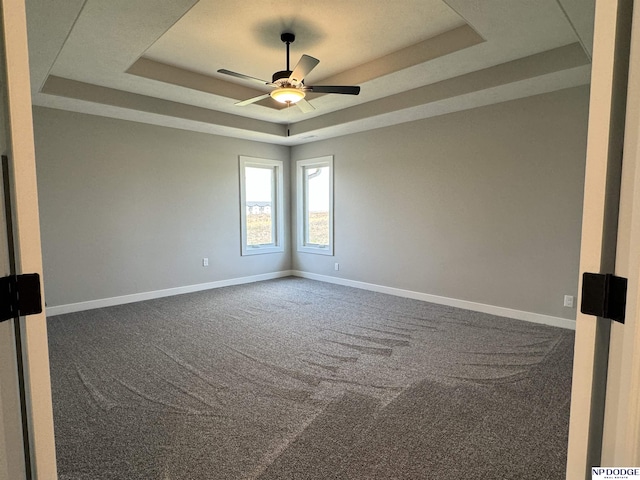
(568, 301)
(336, 267)
(205, 262)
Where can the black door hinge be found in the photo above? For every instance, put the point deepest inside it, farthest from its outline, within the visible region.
(604, 295)
(20, 296)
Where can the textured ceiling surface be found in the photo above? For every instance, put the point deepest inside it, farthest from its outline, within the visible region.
(247, 34)
(156, 61)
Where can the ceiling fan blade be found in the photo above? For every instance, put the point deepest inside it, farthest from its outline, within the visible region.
(252, 100)
(302, 69)
(244, 77)
(346, 90)
(305, 106)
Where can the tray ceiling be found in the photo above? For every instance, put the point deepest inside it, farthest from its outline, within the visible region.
(156, 61)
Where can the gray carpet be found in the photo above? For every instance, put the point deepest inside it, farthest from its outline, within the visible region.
(296, 379)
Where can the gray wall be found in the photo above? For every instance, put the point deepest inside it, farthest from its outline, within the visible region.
(128, 208)
(482, 205)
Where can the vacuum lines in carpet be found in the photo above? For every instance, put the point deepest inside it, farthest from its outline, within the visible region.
(298, 379)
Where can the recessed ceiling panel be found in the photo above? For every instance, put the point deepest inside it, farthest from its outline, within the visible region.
(245, 36)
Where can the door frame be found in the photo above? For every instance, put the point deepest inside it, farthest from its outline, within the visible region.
(603, 372)
(27, 237)
(621, 435)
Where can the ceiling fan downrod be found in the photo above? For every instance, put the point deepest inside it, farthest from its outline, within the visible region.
(288, 38)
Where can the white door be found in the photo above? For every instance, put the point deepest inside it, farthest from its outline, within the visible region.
(35, 459)
(604, 428)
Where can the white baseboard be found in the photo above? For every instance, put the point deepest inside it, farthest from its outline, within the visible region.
(138, 297)
(451, 302)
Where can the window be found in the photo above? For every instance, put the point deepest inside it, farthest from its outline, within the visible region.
(315, 205)
(261, 200)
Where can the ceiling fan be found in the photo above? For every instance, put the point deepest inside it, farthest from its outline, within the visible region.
(289, 84)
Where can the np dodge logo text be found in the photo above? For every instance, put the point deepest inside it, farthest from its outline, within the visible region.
(615, 471)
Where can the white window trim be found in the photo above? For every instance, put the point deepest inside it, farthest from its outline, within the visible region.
(300, 165)
(277, 209)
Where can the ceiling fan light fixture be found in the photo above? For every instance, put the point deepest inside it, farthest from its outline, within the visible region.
(289, 84)
(287, 95)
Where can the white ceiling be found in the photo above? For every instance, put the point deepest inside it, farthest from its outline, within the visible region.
(156, 61)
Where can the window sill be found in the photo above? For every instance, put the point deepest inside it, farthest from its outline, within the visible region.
(261, 250)
(328, 250)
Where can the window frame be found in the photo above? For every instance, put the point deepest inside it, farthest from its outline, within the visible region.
(277, 205)
(301, 203)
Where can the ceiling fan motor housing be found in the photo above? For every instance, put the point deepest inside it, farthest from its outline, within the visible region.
(281, 75)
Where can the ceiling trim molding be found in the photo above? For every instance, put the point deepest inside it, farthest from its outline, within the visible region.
(534, 66)
(63, 87)
(555, 69)
(162, 72)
